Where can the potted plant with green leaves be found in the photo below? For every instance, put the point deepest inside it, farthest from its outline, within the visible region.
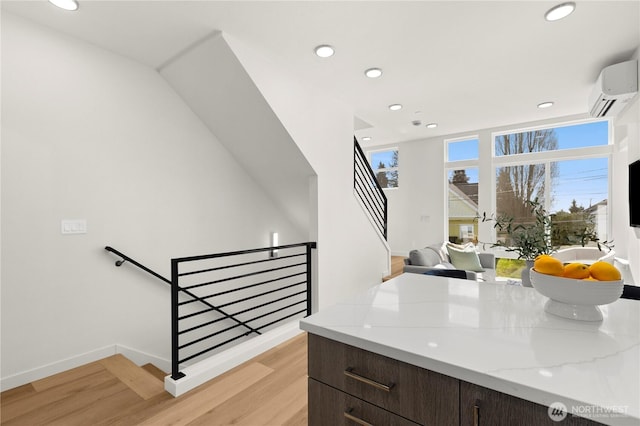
(539, 236)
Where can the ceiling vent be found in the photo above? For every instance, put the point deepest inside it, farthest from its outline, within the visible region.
(616, 85)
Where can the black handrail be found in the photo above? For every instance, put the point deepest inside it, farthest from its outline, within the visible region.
(283, 286)
(368, 188)
(195, 297)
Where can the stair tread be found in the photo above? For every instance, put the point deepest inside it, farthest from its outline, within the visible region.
(145, 384)
(155, 371)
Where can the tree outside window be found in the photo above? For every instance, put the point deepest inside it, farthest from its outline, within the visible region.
(385, 167)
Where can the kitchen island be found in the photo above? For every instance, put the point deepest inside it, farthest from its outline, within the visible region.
(433, 350)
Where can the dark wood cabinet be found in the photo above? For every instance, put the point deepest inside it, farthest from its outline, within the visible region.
(329, 406)
(480, 406)
(419, 395)
(349, 385)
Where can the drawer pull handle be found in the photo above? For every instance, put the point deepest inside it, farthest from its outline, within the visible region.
(355, 419)
(349, 373)
(476, 414)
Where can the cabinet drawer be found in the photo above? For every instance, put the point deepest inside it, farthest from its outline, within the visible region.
(420, 395)
(480, 406)
(329, 406)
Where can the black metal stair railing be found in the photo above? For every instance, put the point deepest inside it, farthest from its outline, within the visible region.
(263, 287)
(217, 299)
(368, 189)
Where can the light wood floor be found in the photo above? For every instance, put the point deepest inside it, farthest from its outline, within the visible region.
(270, 389)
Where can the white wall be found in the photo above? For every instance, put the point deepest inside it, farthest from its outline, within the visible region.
(87, 134)
(627, 135)
(350, 255)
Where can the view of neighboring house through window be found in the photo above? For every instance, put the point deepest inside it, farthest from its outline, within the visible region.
(462, 182)
(385, 166)
(566, 169)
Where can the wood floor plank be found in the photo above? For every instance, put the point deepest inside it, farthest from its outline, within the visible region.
(40, 400)
(67, 376)
(15, 394)
(196, 403)
(283, 354)
(242, 405)
(140, 381)
(300, 418)
(62, 411)
(281, 406)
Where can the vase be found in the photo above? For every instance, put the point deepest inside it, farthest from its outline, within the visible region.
(524, 275)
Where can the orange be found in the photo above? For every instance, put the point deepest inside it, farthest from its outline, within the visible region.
(604, 271)
(576, 270)
(546, 264)
(589, 278)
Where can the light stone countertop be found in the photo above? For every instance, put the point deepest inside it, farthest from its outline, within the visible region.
(499, 336)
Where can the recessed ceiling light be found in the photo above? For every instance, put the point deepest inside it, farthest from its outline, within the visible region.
(560, 11)
(432, 125)
(373, 72)
(324, 51)
(545, 105)
(395, 107)
(65, 4)
(366, 138)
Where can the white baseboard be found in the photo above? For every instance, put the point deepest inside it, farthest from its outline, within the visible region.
(203, 371)
(142, 358)
(138, 357)
(196, 374)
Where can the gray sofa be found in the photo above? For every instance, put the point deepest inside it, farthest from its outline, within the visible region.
(437, 257)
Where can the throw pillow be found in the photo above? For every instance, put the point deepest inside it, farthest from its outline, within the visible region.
(465, 258)
(424, 257)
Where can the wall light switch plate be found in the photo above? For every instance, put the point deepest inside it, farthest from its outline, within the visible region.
(75, 226)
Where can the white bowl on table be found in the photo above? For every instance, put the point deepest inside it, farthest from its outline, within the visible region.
(575, 299)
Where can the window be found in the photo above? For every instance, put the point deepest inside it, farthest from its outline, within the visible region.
(462, 150)
(385, 167)
(566, 168)
(462, 189)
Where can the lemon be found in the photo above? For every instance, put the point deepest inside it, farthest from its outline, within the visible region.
(576, 270)
(604, 271)
(548, 265)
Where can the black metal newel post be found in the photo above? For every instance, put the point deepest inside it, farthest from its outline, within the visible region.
(175, 351)
(309, 277)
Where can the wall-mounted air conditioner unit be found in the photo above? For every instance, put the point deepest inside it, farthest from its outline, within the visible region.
(615, 87)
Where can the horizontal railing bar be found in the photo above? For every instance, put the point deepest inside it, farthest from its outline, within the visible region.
(363, 183)
(235, 314)
(366, 191)
(361, 155)
(251, 274)
(234, 253)
(282, 319)
(193, 342)
(184, 274)
(189, 358)
(196, 327)
(378, 213)
(277, 310)
(270, 303)
(243, 288)
(261, 294)
(184, 317)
